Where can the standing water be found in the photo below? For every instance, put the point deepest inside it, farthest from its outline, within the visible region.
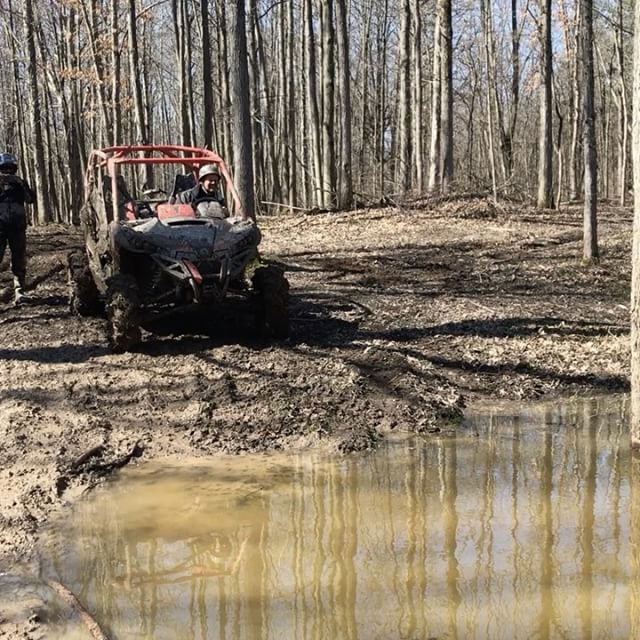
(519, 527)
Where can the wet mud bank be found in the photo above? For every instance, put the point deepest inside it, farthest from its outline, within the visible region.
(400, 318)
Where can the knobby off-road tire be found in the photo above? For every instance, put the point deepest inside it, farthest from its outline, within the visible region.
(272, 301)
(123, 313)
(84, 298)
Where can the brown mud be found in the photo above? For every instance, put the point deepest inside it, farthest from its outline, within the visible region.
(399, 318)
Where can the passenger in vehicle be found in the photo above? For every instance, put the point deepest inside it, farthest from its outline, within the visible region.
(207, 189)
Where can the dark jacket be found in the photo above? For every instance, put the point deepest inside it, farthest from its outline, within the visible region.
(197, 195)
(15, 190)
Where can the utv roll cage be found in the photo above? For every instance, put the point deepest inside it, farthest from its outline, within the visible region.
(191, 158)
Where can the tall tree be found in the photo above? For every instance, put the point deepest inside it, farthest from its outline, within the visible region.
(446, 95)
(417, 147)
(135, 82)
(590, 248)
(382, 97)
(207, 77)
(179, 17)
(242, 141)
(312, 108)
(116, 118)
(436, 107)
(572, 45)
(620, 95)
(487, 28)
(328, 105)
(266, 115)
(515, 89)
(405, 106)
(635, 270)
(545, 141)
(291, 125)
(40, 178)
(345, 181)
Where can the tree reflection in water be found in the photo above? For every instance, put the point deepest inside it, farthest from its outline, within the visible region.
(521, 532)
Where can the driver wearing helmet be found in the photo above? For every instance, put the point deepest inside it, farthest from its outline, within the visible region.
(207, 189)
(14, 194)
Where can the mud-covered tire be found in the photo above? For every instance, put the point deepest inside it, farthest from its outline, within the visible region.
(271, 290)
(123, 313)
(84, 298)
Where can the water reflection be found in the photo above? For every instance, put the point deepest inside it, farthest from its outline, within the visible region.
(518, 528)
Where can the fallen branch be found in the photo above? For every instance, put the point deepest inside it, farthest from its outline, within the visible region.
(91, 453)
(106, 467)
(34, 282)
(6, 293)
(94, 628)
(282, 205)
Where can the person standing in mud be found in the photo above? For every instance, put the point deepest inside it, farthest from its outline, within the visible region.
(14, 194)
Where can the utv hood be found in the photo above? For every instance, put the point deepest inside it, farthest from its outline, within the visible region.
(187, 239)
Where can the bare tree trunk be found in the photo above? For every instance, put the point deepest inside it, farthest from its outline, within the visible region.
(142, 132)
(436, 105)
(404, 153)
(381, 98)
(267, 116)
(134, 71)
(178, 15)
(365, 67)
(417, 149)
(470, 148)
(259, 173)
(116, 117)
(328, 106)
(515, 89)
(590, 248)
(446, 111)
(43, 214)
(487, 28)
(311, 103)
(282, 93)
(188, 52)
(105, 130)
(241, 111)
(545, 142)
(558, 149)
(635, 272)
(51, 148)
(606, 78)
(345, 182)
(207, 77)
(292, 137)
(224, 81)
(623, 126)
(73, 130)
(572, 46)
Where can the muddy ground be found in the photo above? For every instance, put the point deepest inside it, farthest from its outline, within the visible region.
(400, 317)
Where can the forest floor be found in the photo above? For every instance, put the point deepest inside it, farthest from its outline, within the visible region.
(401, 317)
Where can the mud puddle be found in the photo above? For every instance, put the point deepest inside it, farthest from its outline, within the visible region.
(517, 527)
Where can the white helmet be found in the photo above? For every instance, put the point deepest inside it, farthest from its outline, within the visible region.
(208, 170)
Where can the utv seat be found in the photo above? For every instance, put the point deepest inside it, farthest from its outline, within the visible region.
(182, 182)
